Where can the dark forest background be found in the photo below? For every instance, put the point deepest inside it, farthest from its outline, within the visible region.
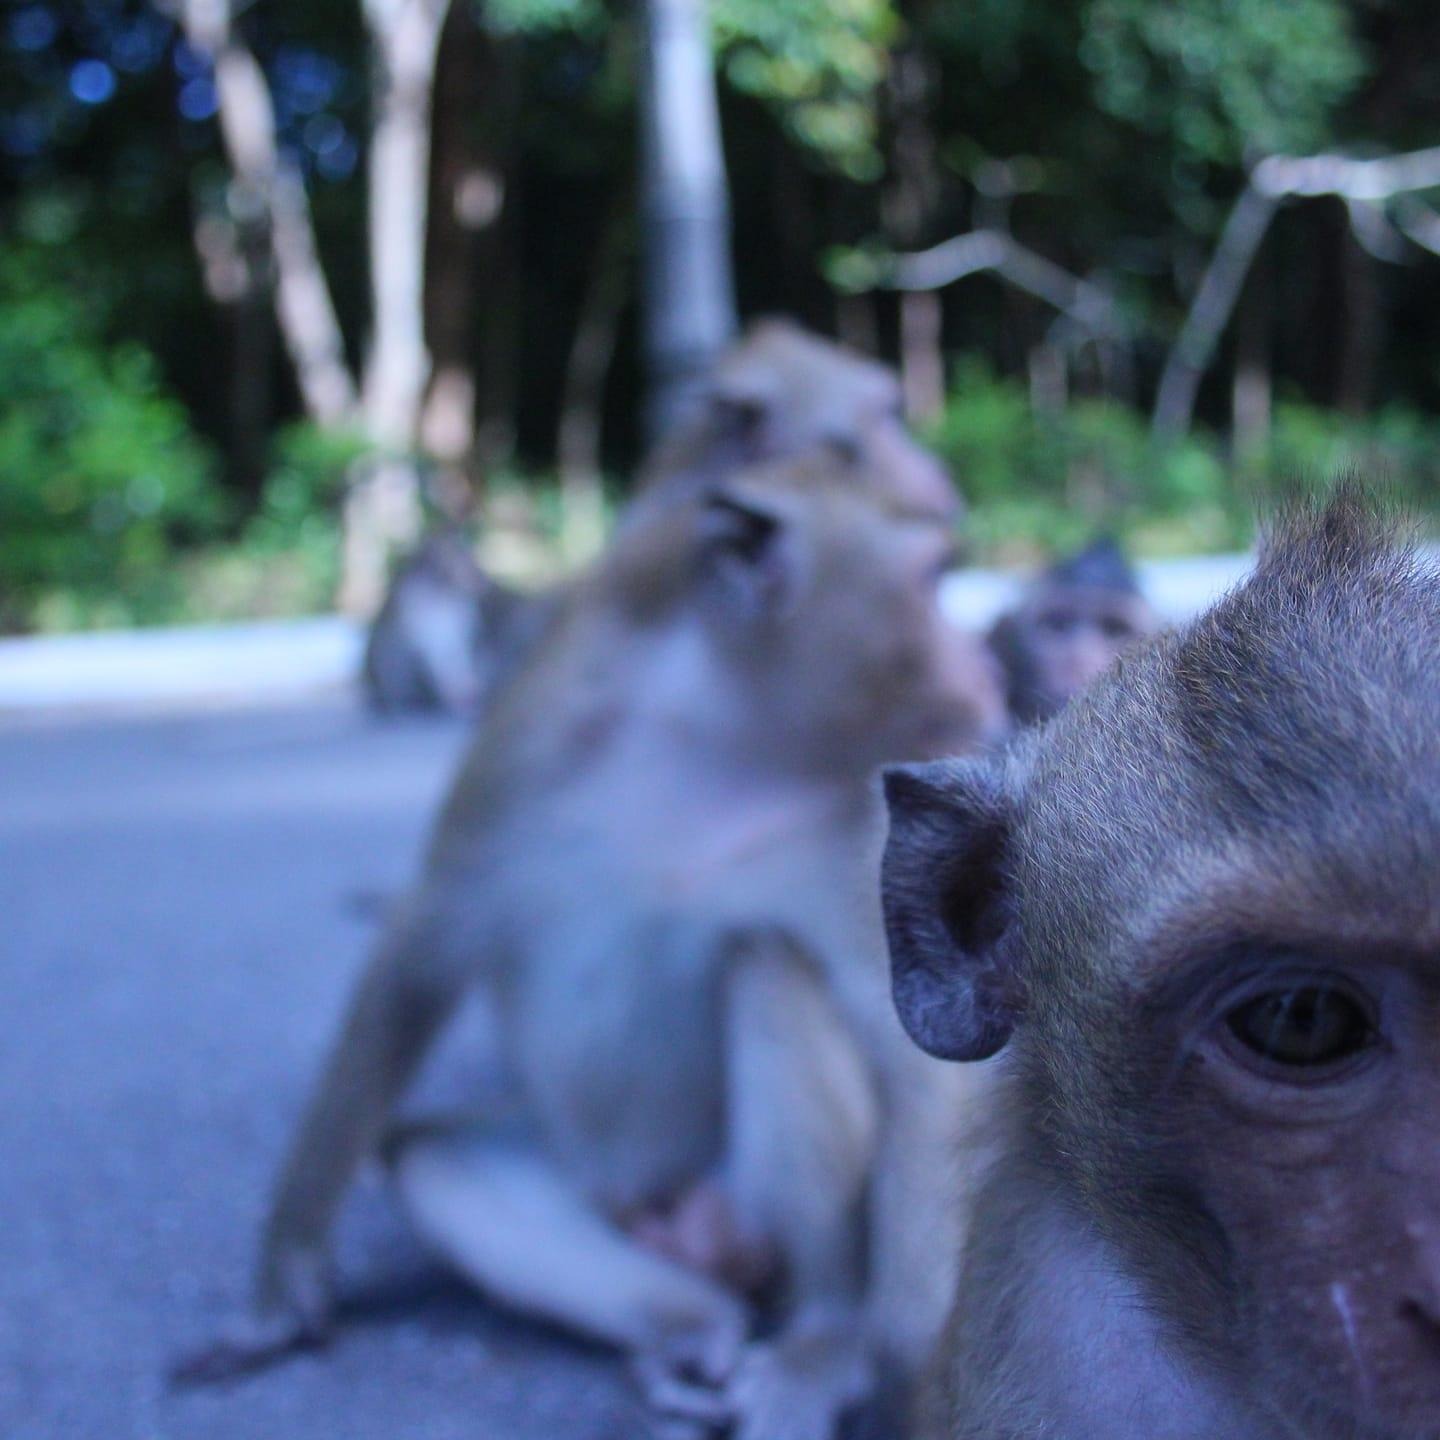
(1076, 163)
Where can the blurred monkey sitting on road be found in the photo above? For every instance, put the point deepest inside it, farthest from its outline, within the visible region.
(439, 633)
(777, 392)
(659, 858)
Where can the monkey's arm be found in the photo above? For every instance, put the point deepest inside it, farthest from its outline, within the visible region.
(403, 998)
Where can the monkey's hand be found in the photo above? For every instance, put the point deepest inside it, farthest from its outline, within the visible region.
(293, 1313)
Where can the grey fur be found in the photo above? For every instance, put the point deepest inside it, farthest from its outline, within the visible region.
(1146, 1262)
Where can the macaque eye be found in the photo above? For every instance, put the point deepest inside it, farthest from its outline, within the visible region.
(1309, 1025)
(1056, 622)
(845, 448)
(1112, 627)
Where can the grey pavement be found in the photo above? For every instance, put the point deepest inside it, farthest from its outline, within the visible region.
(181, 922)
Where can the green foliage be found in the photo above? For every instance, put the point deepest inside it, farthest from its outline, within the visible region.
(818, 63)
(539, 17)
(101, 475)
(1042, 483)
(1397, 448)
(1216, 78)
(286, 560)
(1039, 482)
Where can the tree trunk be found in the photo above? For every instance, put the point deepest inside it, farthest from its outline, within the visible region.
(1251, 396)
(405, 35)
(1363, 324)
(582, 408)
(907, 205)
(922, 361)
(1210, 312)
(1049, 378)
(268, 193)
(689, 292)
(382, 510)
(465, 198)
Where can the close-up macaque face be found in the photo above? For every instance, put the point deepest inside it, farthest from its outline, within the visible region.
(1305, 1087)
(1282, 1087)
(1199, 912)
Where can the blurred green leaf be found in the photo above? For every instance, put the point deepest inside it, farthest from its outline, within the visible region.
(101, 474)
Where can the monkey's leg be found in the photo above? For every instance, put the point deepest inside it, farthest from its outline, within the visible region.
(802, 1119)
(403, 997)
(515, 1226)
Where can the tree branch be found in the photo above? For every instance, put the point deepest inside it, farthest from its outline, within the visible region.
(999, 252)
(1210, 311)
(1363, 184)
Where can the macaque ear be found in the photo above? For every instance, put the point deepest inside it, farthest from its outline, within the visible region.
(949, 907)
(747, 558)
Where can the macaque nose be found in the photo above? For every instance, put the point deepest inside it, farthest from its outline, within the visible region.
(934, 490)
(921, 484)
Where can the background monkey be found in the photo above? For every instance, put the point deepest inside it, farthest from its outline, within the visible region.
(1067, 629)
(448, 634)
(439, 633)
(781, 391)
(1201, 913)
(660, 856)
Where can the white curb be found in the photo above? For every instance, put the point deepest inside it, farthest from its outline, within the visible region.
(273, 660)
(291, 659)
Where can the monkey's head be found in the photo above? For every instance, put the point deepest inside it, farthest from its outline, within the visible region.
(781, 391)
(1068, 628)
(820, 606)
(1202, 910)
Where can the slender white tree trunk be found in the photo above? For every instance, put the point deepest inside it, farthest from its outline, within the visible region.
(689, 291)
(267, 192)
(922, 361)
(405, 35)
(1209, 312)
(382, 511)
(303, 305)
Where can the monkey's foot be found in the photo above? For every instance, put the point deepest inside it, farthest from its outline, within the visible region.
(798, 1387)
(249, 1346)
(683, 1376)
(679, 1403)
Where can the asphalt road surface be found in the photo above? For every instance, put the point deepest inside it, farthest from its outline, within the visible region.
(183, 904)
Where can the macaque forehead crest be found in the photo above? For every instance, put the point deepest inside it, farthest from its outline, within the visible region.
(781, 374)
